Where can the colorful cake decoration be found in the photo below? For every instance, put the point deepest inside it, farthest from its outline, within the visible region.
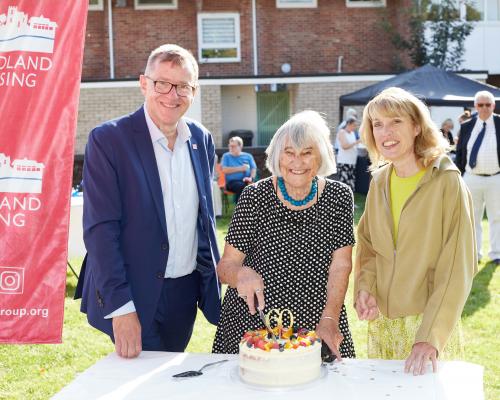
(285, 337)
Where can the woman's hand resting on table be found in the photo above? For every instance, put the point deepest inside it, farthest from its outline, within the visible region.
(366, 306)
(420, 354)
(329, 332)
(249, 284)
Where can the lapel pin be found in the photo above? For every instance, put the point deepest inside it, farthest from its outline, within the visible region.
(195, 146)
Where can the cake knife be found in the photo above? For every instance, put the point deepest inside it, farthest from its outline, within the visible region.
(263, 318)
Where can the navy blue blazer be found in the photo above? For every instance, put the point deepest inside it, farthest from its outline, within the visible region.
(464, 136)
(124, 225)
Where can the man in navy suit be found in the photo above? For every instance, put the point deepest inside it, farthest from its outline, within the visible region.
(478, 157)
(148, 216)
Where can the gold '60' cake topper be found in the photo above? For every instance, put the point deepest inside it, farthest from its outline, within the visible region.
(275, 315)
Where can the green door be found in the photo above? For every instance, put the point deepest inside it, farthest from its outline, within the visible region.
(273, 109)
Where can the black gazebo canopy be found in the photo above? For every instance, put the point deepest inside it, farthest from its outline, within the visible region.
(436, 87)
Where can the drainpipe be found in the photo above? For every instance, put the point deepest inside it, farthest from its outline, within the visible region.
(110, 36)
(254, 38)
(339, 64)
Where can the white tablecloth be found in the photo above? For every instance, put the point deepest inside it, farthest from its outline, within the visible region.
(150, 377)
(76, 248)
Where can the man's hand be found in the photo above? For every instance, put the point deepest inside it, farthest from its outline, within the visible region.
(366, 306)
(421, 353)
(127, 333)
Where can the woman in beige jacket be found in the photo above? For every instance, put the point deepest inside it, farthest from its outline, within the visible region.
(416, 254)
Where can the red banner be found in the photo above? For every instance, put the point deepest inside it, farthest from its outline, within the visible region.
(41, 51)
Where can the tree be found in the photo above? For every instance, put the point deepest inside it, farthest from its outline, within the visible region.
(436, 33)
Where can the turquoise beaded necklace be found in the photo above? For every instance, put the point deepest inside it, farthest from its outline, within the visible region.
(298, 203)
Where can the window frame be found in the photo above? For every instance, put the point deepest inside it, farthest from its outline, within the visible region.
(237, 34)
(283, 4)
(366, 3)
(97, 7)
(172, 6)
(486, 14)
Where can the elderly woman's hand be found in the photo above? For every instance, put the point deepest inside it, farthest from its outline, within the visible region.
(329, 332)
(249, 285)
(366, 306)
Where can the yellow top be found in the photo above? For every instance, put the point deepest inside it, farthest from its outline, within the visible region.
(401, 189)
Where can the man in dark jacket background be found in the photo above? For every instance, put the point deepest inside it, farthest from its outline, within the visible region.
(478, 158)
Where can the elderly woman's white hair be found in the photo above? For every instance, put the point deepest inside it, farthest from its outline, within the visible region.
(306, 128)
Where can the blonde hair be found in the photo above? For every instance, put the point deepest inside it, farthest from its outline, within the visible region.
(392, 102)
(304, 128)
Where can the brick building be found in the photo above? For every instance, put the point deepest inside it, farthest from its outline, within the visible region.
(260, 60)
(221, 34)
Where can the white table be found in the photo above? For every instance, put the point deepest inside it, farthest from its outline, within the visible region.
(150, 377)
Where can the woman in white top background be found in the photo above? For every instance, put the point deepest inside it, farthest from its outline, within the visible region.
(348, 153)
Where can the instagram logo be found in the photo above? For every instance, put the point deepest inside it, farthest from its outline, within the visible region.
(11, 280)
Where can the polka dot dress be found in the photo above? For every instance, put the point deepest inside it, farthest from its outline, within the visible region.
(292, 251)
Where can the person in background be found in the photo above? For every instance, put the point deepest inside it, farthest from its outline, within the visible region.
(239, 167)
(478, 158)
(290, 241)
(148, 216)
(350, 113)
(348, 153)
(465, 116)
(447, 131)
(416, 252)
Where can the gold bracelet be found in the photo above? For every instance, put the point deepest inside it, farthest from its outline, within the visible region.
(328, 317)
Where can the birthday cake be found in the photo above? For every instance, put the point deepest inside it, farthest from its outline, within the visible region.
(290, 356)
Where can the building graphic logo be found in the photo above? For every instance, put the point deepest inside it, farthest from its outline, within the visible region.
(11, 280)
(23, 176)
(18, 33)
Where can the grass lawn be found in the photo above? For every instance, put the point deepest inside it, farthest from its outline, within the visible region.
(40, 371)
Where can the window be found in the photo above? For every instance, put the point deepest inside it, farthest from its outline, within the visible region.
(296, 3)
(155, 4)
(219, 37)
(489, 10)
(365, 3)
(96, 5)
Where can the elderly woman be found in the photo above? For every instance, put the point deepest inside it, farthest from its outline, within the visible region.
(416, 254)
(290, 240)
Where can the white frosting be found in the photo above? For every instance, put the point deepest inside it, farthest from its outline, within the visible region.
(274, 368)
